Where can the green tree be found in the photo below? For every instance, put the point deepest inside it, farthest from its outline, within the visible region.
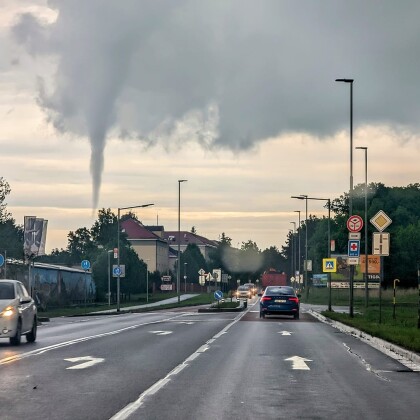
(195, 262)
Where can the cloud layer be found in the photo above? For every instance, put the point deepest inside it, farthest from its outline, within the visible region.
(223, 74)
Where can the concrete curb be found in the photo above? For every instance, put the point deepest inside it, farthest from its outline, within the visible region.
(406, 357)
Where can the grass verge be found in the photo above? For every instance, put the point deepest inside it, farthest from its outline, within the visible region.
(401, 329)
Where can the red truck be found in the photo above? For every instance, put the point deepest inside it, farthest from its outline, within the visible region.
(272, 277)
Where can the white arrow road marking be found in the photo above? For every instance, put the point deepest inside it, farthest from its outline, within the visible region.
(284, 333)
(298, 363)
(89, 361)
(186, 322)
(160, 332)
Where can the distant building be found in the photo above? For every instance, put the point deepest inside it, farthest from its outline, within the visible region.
(204, 245)
(148, 244)
(160, 247)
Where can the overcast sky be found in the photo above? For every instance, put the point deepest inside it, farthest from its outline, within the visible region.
(107, 103)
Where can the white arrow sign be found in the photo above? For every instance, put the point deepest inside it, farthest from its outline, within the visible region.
(298, 363)
(160, 332)
(284, 333)
(88, 362)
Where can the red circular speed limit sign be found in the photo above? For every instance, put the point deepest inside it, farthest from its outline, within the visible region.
(354, 223)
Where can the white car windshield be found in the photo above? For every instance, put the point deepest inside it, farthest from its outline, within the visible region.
(7, 291)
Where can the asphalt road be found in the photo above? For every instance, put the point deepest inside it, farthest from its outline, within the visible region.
(186, 365)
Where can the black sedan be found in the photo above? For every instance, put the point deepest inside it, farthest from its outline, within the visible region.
(279, 300)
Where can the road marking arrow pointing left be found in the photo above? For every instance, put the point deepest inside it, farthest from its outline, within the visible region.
(89, 361)
(298, 363)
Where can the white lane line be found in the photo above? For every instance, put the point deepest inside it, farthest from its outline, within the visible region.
(43, 350)
(131, 408)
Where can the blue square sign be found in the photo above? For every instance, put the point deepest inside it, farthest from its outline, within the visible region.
(354, 248)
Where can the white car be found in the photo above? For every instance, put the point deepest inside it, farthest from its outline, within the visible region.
(18, 314)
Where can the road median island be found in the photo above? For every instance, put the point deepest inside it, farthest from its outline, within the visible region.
(224, 307)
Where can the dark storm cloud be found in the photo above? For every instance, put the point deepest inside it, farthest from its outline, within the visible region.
(224, 73)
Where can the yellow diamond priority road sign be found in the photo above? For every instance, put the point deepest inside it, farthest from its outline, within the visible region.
(381, 220)
(329, 265)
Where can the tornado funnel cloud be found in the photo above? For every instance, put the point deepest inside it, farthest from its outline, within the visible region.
(96, 169)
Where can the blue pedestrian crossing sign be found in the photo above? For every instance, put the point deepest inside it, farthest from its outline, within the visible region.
(329, 265)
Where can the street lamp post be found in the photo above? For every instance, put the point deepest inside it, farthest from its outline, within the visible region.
(291, 259)
(350, 81)
(178, 274)
(185, 277)
(299, 255)
(294, 249)
(305, 197)
(366, 229)
(110, 251)
(147, 280)
(118, 247)
(329, 242)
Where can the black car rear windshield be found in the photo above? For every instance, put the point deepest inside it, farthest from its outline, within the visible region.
(272, 291)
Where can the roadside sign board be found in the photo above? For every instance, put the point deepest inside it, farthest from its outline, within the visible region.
(217, 274)
(202, 280)
(166, 278)
(1, 260)
(355, 235)
(354, 223)
(374, 264)
(354, 248)
(201, 272)
(381, 220)
(166, 287)
(115, 253)
(380, 244)
(118, 271)
(85, 265)
(329, 265)
(353, 261)
(218, 294)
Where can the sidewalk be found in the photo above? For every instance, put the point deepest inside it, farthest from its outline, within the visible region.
(147, 305)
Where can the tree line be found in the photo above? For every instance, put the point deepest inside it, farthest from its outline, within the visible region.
(401, 204)
(248, 262)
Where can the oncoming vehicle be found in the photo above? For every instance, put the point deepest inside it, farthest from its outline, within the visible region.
(244, 292)
(251, 287)
(279, 300)
(18, 314)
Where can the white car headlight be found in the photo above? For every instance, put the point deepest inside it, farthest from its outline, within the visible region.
(9, 311)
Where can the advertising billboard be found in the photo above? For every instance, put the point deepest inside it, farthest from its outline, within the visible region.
(35, 234)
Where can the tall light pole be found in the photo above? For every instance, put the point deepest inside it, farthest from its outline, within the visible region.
(118, 246)
(299, 255)
(291, 259)
(178, 268)
(185, 277)
(109, 252)
(366, 228)
(147, 280)
(305, 197)
(328, 239)
(294, 249)
(350, 81)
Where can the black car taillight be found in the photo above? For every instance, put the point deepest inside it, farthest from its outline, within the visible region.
(265, 298)
(294, 299)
